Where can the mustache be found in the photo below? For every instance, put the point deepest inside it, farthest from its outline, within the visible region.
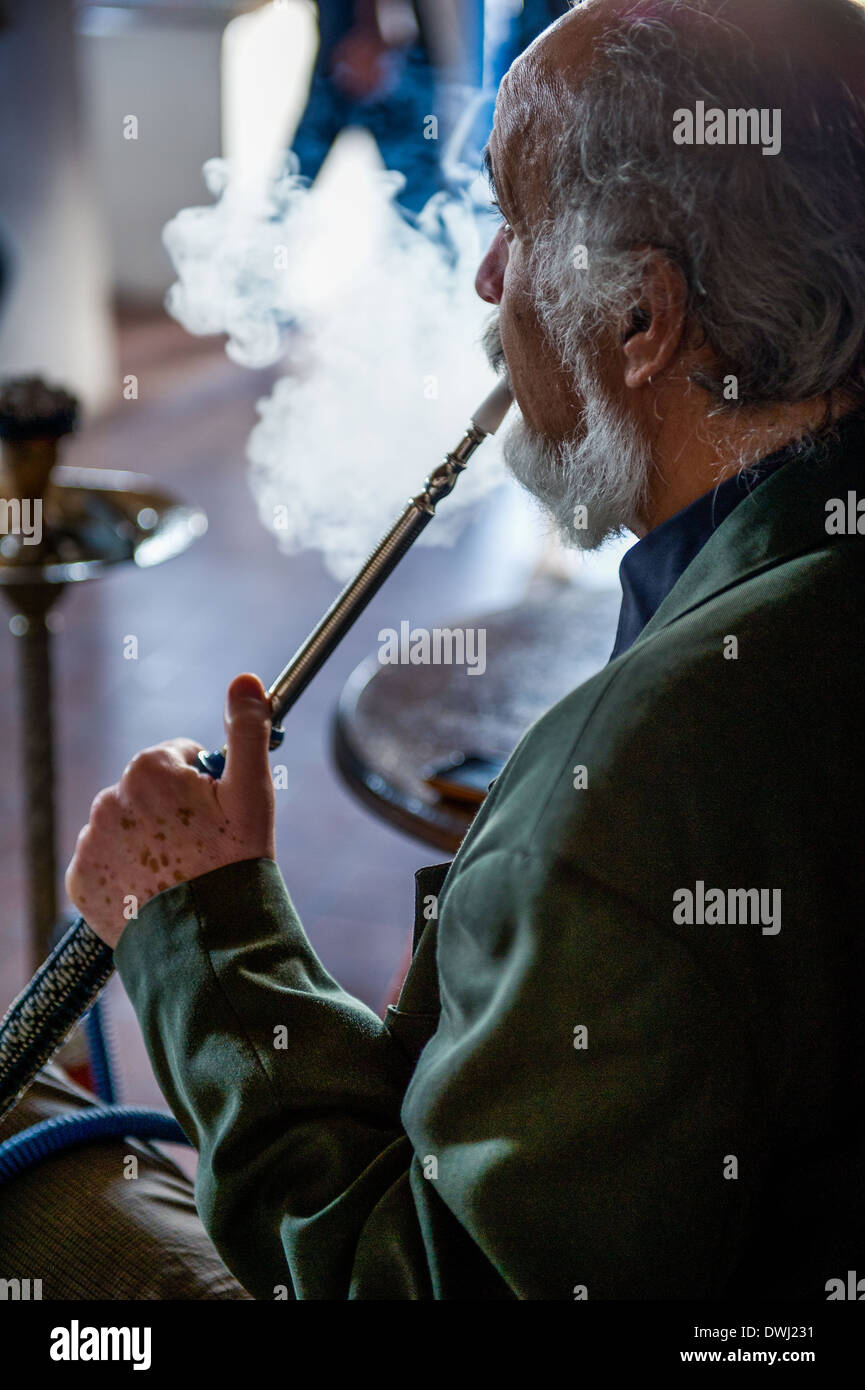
(491, 341)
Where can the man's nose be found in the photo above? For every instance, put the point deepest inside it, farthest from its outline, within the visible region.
(491, 273)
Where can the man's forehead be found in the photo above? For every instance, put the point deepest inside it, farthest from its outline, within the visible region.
(533, 92)
(530, 95)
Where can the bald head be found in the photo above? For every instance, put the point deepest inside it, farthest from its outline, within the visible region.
(799, 32)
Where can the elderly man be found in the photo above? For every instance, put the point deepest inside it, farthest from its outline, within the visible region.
(627, 1060)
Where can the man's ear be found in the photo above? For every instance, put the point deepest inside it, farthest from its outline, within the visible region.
(657, 327)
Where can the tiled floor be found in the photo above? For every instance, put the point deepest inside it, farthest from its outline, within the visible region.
(231, 603)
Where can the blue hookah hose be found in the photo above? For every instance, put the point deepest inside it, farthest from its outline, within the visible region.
(99, 1042)
(64, 1132)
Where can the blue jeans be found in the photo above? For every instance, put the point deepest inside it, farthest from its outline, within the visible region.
(395, 118)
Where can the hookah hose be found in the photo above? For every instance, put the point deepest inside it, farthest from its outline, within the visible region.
(46, 1011)
(99, 1044)
(61, 1132)
(71, 977)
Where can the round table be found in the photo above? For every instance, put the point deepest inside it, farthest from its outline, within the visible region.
(395, 723)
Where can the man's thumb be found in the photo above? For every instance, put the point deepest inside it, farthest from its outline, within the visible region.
(247, 730)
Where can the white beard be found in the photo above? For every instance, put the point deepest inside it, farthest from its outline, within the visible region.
(605, 471)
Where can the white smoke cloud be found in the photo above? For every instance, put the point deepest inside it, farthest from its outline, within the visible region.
(383, 325)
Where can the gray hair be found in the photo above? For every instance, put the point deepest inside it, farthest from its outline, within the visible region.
(772, 249)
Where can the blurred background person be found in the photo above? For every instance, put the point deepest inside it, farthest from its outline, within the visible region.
(407, 73)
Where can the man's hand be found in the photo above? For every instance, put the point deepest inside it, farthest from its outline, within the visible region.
(166, 822)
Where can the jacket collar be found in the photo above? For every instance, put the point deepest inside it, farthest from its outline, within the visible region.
(783, 518)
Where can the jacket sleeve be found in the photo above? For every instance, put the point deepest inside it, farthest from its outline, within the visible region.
(289, 1087)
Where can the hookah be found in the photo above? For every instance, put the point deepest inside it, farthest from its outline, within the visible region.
(72, 976)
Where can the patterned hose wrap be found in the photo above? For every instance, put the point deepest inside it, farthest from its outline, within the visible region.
(48, 1008)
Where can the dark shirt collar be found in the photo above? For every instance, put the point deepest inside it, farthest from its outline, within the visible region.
(651, 568)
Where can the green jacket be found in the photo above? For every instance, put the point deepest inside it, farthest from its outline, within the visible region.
(579, 1093)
